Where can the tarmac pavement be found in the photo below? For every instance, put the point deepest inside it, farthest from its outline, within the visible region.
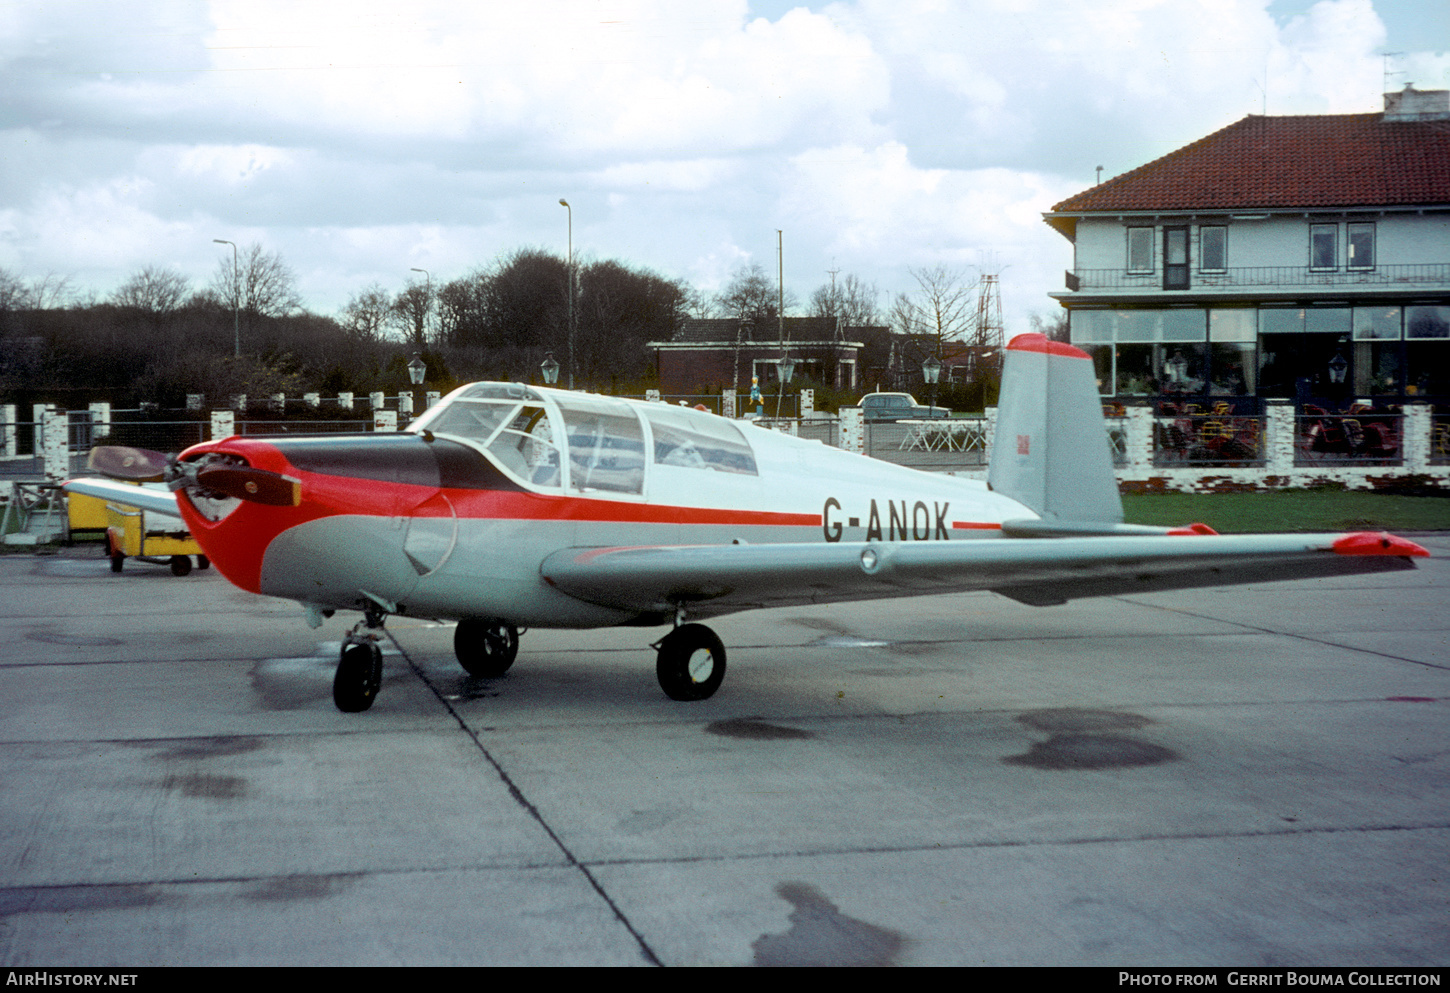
(1253, 776)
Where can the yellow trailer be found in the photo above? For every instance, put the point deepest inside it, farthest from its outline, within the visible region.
(127, 536)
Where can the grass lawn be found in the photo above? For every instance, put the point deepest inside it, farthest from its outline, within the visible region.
(1291, 510)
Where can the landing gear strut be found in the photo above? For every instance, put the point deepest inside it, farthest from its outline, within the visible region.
(360, 669)
(691, 663)
(485, 648)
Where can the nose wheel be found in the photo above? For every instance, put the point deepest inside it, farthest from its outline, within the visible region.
(359, 675)
(691, 663)
(485, 648)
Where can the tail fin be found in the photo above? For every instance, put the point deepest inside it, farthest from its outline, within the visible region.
(1051, 447)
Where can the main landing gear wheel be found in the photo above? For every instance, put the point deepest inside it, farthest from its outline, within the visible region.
(485, 648)
(691, 663)
(359, 676)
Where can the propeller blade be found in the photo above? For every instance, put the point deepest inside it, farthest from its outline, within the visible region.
(137, 465)
(256, 485)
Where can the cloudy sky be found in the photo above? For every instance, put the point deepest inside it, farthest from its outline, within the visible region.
(364, 139)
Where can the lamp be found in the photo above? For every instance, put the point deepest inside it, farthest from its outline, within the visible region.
(417, 369)
(931, 372)
(785, 369)
(550, 368)
(1338, 366)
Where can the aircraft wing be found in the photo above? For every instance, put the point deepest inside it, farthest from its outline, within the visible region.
(719, 579)
(152, 499)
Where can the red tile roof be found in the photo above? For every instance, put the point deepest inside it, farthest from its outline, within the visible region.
(1344, 160)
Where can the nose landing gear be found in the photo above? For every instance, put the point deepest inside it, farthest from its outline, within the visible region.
(360, 669)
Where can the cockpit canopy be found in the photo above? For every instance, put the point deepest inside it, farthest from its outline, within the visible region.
(527, 431)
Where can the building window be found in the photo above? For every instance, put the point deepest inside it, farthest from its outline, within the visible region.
(1361, 245)
(1175, 258)
(1213, 248)
(1427, 329)
(1140, 249)
(1323, 246)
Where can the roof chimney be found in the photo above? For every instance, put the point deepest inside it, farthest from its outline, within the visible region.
(1411, 104)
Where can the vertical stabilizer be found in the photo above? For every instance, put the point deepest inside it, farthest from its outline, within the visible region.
(1051, 449)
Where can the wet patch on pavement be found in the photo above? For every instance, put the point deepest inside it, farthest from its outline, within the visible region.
(72, 899)
(644, 821)
(820, 935)
(203, 785)
(845, 641)
(49, 637)
(1085, 739)
(299, 887)
(204, 748)
(293, 684)
(756, 729)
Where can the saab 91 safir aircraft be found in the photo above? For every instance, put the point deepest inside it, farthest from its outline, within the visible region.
(508, 506)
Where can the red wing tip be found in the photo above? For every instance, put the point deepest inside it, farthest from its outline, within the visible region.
(1193, 529)
(1034, 342)
(1377, 543)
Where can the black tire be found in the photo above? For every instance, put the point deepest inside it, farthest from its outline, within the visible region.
(359, 674)
(202, 562)
(180, 565)
(691, 663)
(485, 648)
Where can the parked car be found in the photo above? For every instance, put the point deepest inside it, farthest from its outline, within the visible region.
(881, 407)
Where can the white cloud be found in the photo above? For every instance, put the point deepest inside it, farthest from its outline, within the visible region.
(362, 138)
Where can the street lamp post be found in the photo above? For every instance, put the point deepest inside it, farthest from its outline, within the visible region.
(417, 372)
(565, 204)
(785, 366)
(427, 302)
(931, 372)
(236, 301)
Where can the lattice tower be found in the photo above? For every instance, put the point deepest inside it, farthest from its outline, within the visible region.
(987, 327)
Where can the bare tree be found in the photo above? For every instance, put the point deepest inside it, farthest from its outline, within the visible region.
(753, 296)
(47, 292)
(850, 299)
(942, 308)
(1053, 325)
(153, 290)
(367, 314)
(12, 291)
(260, 285)
(410, 313)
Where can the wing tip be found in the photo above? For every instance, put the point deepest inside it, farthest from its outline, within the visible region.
(1378, 543)
(1036, 342)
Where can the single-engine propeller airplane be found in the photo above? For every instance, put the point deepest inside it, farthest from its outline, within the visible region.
(508, 506)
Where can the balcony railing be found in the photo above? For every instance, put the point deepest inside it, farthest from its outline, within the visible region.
(1417, 276)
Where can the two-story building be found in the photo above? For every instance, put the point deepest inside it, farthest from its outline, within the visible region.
(1303, 257)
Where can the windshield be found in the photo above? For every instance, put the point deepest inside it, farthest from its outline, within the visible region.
(508, 420)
